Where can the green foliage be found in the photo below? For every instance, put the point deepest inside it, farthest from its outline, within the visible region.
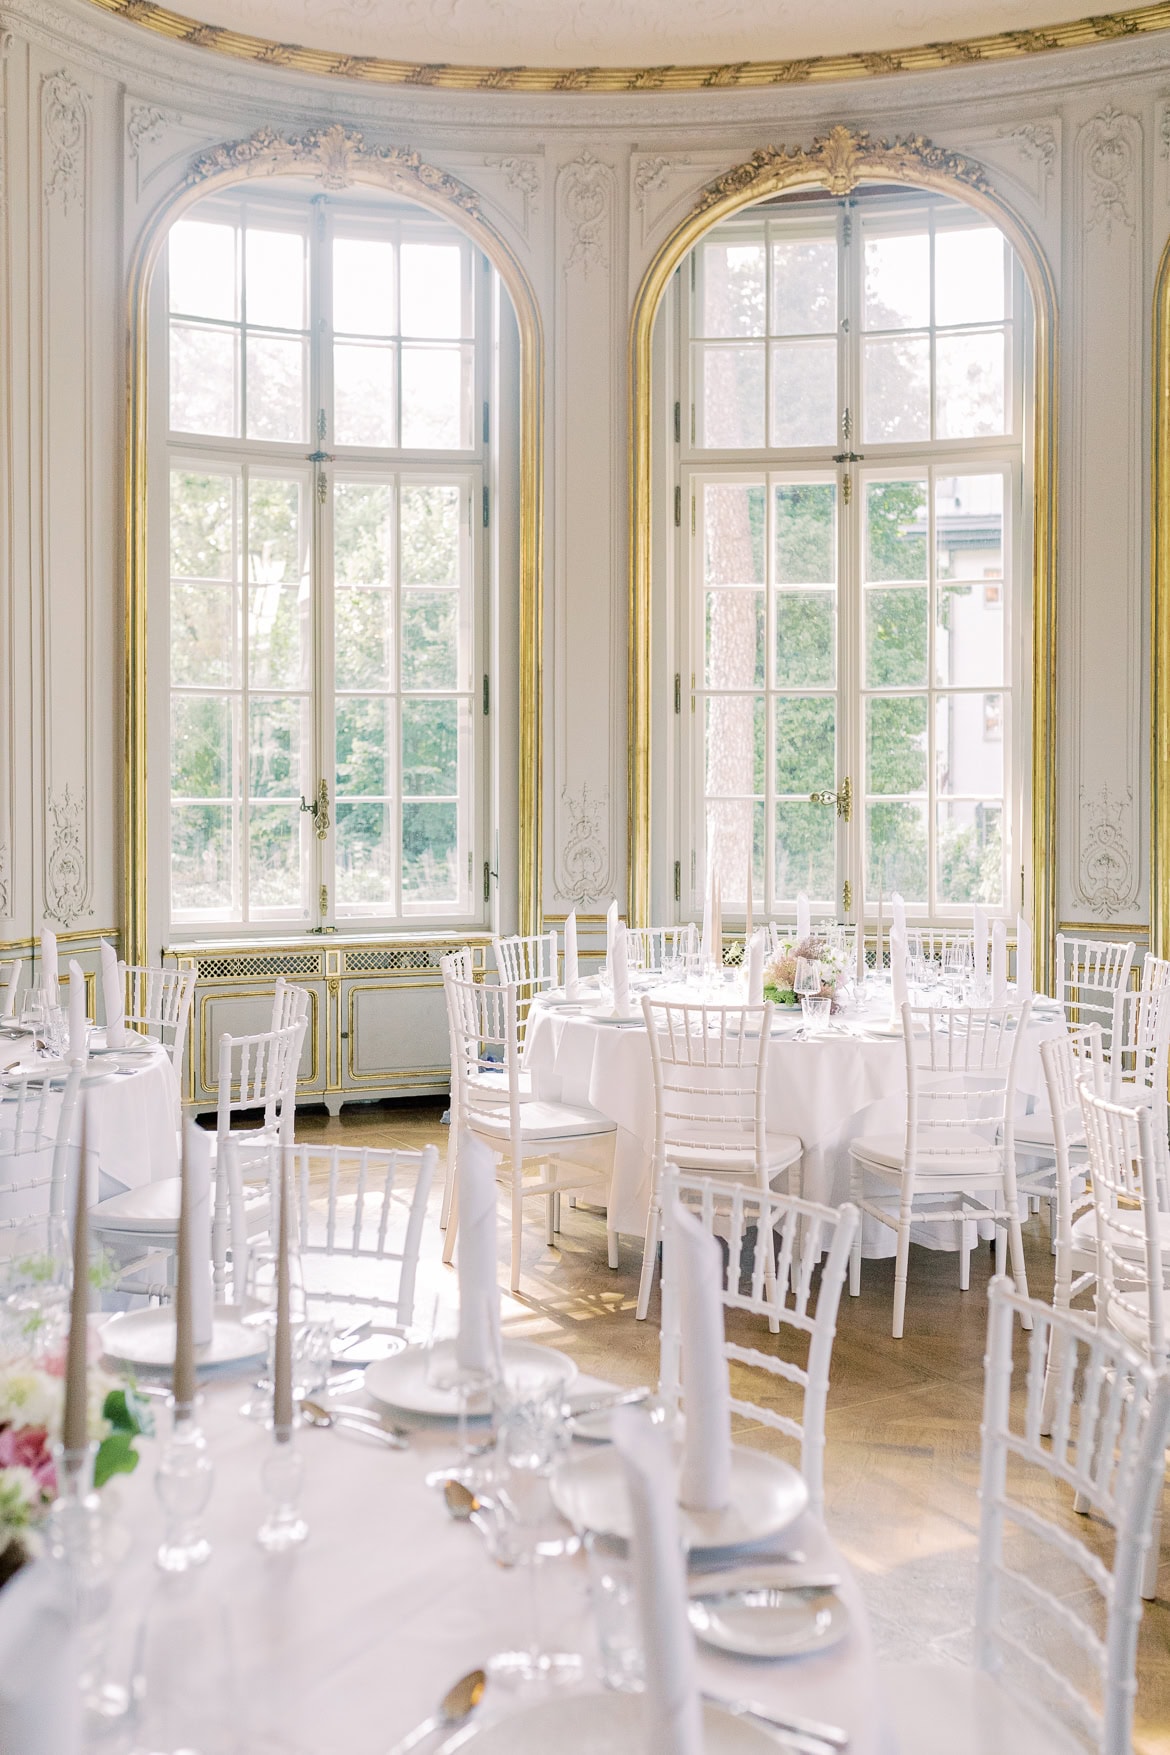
(116, 1455)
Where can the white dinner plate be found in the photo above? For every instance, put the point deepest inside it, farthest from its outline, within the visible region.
(142, 1047)
(770, 1622)
(599, 1724)
(766, 1495)
(401, 1382)
(147, 1338)
(608, 1021)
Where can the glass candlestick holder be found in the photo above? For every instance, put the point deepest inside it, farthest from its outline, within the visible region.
(87, 1545)
(281, 1476)
(183, 1482)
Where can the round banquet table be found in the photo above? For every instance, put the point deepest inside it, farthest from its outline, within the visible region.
(131, 1109)
(342, 1646)
(828, 1090)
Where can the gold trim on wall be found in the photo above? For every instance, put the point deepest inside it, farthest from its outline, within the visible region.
(837, 162)
(336, 158)
(995, 47)
(1160, 621)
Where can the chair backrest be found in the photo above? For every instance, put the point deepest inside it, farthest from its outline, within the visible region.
(709, 1076)
(1113, 1452)
(485, 1050)
(751, 1223)
(530, 966)
(9, 982)
(37, 1149)
(455, 967)
(259, 1072)
(351, 1239)
(1140, 1057)
(1091, 976)
(290, 1005)
(653, 948)
(1127, 1172)
(927, 944)
(961, 1082)
(1065, 1060)
(160, 1000)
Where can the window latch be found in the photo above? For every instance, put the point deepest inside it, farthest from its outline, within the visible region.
(842, 798)
(318, 809)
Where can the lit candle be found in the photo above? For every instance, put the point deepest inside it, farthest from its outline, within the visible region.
(183, 1383)
(282, 1397)
(76, 1424)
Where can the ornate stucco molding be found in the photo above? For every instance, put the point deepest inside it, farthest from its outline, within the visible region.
(1107, 871)
(839, 160)
(66, 871)
(336, 154)
(63, 120)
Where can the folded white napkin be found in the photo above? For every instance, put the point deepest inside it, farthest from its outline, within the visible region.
(611, 926)
(49, 965)
(1024, 987)
(756, 969)
(898, 989)
(672, 1714)
(113, 996)
(40, 1701)
(980, 926)
(803, 916)
(477, 1345)
(78, 1027)
(898, 907)
(572, 976)
(998, 962)
(197, 1170)
(698, 1280)
(619, 973)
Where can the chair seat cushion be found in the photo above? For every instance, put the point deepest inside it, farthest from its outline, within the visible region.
(545, 1121)
(982, 1716)
(153, 1207)
(781, 1150)
(1084, 1237)
(887, 1151)
(1036, 1130)
(492, 1087)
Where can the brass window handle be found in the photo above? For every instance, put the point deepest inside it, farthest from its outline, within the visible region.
(318, 808)
(842, 798)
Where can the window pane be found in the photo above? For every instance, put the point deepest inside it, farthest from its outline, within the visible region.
(363, 287)
(806, 856)
(806, 638)
(732, 404)
(363, 533)
(895, 376)
(970, 391)
(733, 534)
(275, 278)
(203, 634)
(278, 746)
(364, 411)
(432, 290)
(969, 275)
(970, 852)
(364, 745)
(895, 637)
(969, 744)
(430, 640)
(733, 643)
(806, 533)
(430, 854)
(968, 640)
(804, 286)
(430, 748)
(895, 530)
(201, 264)
(804, 393)
(806, 743)
(363, 637)
(896, 850)
(278, 599)
(732, 298)
(202, 739)
(202, 859)
(276, 388)
(364, 843)
(735, 827)
(204, 382)
(896, 744)
(897, 281)
(202, 525)
(431, 531)
(436, 398)
(734, 765)
(275, 863)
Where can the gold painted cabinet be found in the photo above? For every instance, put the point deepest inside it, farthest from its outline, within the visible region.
(377, 1022)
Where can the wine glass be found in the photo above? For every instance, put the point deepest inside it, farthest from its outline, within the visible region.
(807, 982)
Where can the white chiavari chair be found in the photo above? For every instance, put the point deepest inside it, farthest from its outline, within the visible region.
(955, 1161)
(930, 946)
(1139, 1060)
(290, 1005)
(454, 966)
(530, 966)
(652, 949)
(1044, 1680)
(159, 1001)
(538, 1141)
(1091, 977)
(754, 1224)
(38, 1129)
(710, 1087)
(9, 983)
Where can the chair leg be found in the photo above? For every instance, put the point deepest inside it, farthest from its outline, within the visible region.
(611, 1247)
(966, 1243)
(649, 1258)
(855, 1195)
(1000, 1248)
(550, 1218)
(1019, 1270)
(902, 1264)
(557, 1211)
(449, 1178)
(1150, 1563)
(1051, 1373)
(517, 1230)
(452, 1227)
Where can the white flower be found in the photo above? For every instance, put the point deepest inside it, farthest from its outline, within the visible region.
(29, 1397)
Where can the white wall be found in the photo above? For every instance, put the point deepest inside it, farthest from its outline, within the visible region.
(100, 121)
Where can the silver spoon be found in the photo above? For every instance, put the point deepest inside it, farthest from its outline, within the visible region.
(804, 1736)
(325, 1418)
(457, 1703)
(467, 1507)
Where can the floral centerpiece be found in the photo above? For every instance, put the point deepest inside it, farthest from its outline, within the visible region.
(32, 1405)
(780, 974)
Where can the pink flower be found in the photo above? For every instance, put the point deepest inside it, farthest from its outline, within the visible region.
(27, 1447)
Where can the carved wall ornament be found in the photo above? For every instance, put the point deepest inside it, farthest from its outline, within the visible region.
(584, 858)
(4, 890)
(146, 124)
(649, 176)
(337, 155)
(587, 184)
(1107, 873)
(63, 123)
(66, 878)
(520, 174)
(1035, 141)
(841, 159)
(1109, 170)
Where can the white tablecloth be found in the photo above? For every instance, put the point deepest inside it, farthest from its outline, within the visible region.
(341, 1647)
(828, 1091)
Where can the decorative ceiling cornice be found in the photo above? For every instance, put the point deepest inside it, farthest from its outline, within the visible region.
(338, 155)
(745, 75)
(839, 160)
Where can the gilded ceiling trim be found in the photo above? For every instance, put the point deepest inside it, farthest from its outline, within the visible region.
(1007, 45)
(837, 162)
(334, 158)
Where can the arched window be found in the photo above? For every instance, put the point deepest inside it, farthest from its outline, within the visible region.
(320, 466)
(850, 595)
